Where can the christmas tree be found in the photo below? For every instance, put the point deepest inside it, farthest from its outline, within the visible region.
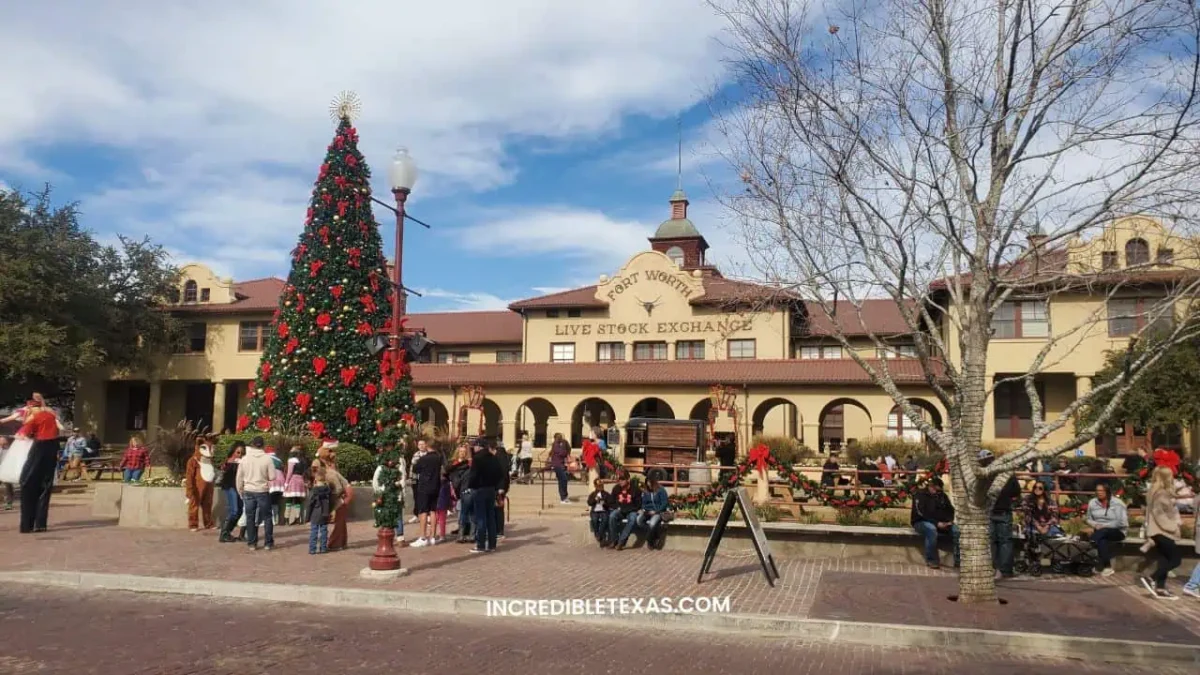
(316, 371)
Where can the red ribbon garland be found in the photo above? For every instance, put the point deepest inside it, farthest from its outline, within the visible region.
(759, 455)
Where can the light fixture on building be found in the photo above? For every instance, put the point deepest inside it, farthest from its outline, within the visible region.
(376, 344)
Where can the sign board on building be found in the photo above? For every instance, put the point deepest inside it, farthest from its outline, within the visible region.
(671, 436)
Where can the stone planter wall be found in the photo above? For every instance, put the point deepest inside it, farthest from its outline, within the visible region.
(106, 499)
(165, 508)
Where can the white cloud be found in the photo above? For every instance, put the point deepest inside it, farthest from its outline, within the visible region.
(224, 106)
(452, 301)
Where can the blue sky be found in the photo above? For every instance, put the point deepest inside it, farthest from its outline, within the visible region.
(545, 130)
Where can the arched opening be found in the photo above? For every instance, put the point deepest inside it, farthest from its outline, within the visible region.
(776, 417)
(434, 414)
(676, 255)
(842, 422)
(591, 413)
(652, 407)
(700, 410)
(900, 426)
(1137, 252)
(189, 291)
(533, 418)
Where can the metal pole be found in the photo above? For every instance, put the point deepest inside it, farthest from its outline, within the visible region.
(398, 300)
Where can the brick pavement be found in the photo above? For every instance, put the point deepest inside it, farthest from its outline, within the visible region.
(538, 561)
(84, 633)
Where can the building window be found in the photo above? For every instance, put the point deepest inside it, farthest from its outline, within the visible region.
(1137, 252)
(1127, 316)
(195, 337)
(574, 313)
(649, 351)
(1021, 319)
(454, 357)
(252, 336)
(562, 352)
(897, 352)
(138, 409)
(610, 351)
(676, 255)
(205, 295)
(900, 426)
(741, 349)
(189, 291)
(1166, 256)
(508, 356)
(689, 350)
(1108, 260)
(811, 353)
(1014, 414)
(552, 314)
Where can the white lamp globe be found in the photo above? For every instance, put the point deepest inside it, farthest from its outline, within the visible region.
(404, 171)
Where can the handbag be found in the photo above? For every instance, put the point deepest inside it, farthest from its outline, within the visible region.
(668, 516)
(12, 461)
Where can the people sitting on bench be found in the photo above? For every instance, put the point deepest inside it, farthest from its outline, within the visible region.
(933, 516)
(627, 501)
(654, 510)
(599, 503)
(1108, 519)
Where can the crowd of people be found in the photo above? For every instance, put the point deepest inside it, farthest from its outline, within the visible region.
(1107, 518)
(617, 514)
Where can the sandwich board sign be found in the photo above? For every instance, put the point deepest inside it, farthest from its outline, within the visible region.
(762, 547)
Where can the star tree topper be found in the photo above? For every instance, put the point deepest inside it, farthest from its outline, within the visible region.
(347, 105)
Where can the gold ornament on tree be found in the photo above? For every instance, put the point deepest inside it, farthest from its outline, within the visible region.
(345, 105)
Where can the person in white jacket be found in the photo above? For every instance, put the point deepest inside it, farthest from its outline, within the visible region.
(402, 467)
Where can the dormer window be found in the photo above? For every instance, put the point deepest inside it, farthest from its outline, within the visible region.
(1137, 252)
(189, 291)
(204, 295)
(1166, 256)
(676, 255)
(1108, 260)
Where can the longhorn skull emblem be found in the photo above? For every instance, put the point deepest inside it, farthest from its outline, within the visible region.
(649, 306)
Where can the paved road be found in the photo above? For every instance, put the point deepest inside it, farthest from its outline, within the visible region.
(48, 631)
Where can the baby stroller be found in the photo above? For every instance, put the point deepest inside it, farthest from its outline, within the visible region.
(1066, 555)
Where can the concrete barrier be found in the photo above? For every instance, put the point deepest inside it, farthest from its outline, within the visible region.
(165, 507)
(879, 544)
(106, 499)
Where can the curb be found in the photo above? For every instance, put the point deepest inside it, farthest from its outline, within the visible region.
(793, 628)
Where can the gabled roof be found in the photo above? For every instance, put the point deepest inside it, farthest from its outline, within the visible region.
(256, 295)
(718, 290)
(879, 317)
(737, 371)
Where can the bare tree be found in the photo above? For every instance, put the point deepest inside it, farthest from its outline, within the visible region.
(955, 154)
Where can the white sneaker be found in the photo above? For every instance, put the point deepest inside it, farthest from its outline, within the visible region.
(435, 541)
(1189, 591)
(1107, 572)
(411, 520)
(419, 543)
(565, 501)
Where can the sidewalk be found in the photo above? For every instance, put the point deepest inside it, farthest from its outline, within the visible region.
(537, 561)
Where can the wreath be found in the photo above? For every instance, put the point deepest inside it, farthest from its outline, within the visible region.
(761, 458)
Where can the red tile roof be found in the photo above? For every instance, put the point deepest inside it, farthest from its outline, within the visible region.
(717, 291)
(256, 295)
(879, 317)
(790, 371)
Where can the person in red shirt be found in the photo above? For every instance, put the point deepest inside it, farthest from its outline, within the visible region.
(37, 477)
(135, 461)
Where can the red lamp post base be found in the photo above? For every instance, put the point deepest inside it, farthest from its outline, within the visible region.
(385, 558)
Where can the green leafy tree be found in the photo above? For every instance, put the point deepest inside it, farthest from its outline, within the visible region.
(1167, 393)
(316, 371)
(70, 304)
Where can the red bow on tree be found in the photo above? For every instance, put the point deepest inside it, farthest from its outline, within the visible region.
(308, 217)
(243, 422)
(341, 207)
(291, 345)
(408, 419)
(303, 399)
(348, 375)
(314, 268)
(364, 328)
(269, 396)
(368, 302)
(323, 320)
(319, 364)
(340, 181)
(324, 232)
(316, 428)
(1164, 457)
(250, 389)
(266, 369)
(371, 390)
(351, 160)
(337, 292)
(324, 170)
(759, 455)
(263, 423)
(352, 415)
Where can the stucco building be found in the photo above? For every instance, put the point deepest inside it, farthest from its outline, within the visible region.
(666, 335)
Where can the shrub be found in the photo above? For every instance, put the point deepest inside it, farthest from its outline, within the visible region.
(851, 517)
(769, 513)
(172, 448)
(810, 518)
(355, 462)
(898, 448)
(893, 520)
(787, 449)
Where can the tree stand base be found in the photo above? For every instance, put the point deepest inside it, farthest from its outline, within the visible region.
(382, 575)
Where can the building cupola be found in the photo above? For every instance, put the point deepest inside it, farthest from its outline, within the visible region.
(678, 238)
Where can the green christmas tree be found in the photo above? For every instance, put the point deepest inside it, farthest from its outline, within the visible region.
(316, 371)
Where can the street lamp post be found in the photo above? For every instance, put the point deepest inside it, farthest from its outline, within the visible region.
(402, 175)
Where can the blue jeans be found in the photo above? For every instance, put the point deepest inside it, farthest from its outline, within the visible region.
(600, 525)
(318, 536)
(485, 518)
(258, 509)
(399, 522)
(930, 533)
(1000, 534)
(649, 523)
(561, 474)
(631, 522)
(1105, 540)
(466, 513)
(1193, 584)
(233, 507)
(132, 475)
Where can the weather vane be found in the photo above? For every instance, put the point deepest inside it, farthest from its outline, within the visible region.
(346, 104)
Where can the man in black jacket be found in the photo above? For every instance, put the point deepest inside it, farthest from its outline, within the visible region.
(1000, 524)
(933, 515)
(484, 480)
(502, 490)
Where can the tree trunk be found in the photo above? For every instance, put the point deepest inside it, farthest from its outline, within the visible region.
(976, 579)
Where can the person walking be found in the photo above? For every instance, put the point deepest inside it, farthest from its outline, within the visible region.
(254, 476)
(233, 500)
(591, 458)
(484, 480)
(560, 453)
(1164, 528)
(525, 456)
(37, 476)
